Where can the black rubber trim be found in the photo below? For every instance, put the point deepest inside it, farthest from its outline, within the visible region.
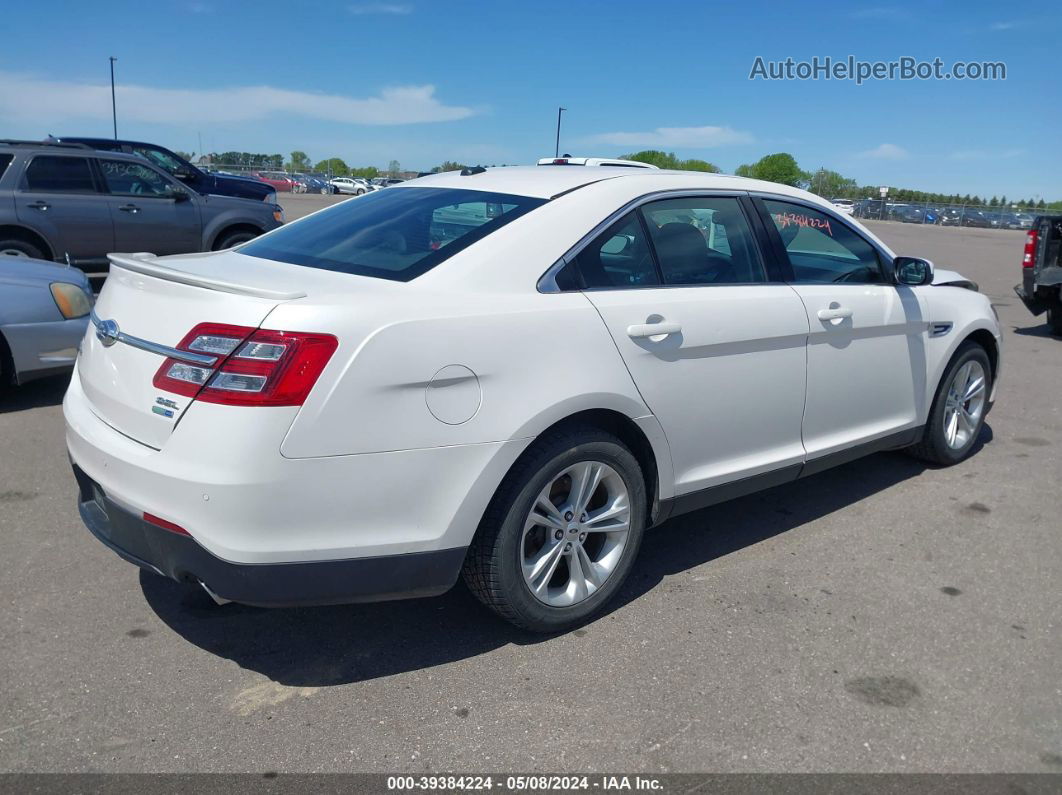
(694, 501)
(264, 584)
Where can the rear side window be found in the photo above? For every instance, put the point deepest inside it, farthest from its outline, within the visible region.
(5, 161)
(703, 241)
(55, 174)
(619, 257)
(392, 234)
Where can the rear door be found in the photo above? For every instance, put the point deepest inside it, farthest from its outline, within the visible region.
(866, 361)
(59, 195)
(145, 214)
(714, 346)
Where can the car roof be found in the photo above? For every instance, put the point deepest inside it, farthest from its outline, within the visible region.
(69, 149)
(546, 183)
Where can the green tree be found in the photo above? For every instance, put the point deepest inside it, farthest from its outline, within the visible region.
(449, 165)
(661, 159)
(300, 161)
(831, 184)
(365, 172)
(334, 166)
(780, 167)
(393, 168)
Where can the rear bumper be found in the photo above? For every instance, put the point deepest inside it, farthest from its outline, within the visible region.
(181, 558)
(1028, 297)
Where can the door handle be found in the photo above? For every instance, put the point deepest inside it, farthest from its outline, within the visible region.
(642, 330)
(39, 205)
(129, 208)
(835, 313)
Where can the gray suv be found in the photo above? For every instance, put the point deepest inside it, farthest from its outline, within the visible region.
(70, 203)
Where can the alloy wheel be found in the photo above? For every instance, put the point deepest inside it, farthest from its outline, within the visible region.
(964, 405)
(575, 534)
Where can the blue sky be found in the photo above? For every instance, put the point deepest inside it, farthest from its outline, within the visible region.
(421, 82)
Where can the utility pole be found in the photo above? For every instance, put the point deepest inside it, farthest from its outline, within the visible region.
(556, 151)
(114, 107)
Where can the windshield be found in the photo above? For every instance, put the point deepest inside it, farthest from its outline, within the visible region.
(392, 234)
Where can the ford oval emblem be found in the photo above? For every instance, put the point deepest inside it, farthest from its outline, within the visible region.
(107, 332)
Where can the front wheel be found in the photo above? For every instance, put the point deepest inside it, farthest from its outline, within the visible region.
(562, 533)
(959, 408)
(234, 238)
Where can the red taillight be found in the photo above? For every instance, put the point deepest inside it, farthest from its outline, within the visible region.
(252, 367)
(1029, 259)
(560, 161)
(173, 528)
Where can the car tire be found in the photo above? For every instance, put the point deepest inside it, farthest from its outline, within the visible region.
(15, 247)
(234, 238)
(359, 192)
(956, 405)
(1054, 319)
(509, 545)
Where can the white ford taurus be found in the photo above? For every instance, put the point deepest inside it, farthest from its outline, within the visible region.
(509, 374)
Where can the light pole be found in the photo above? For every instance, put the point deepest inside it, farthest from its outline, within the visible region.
(114, 108)
(556, 151)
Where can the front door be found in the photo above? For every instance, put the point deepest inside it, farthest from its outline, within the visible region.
(146, 215)
(867, 343)
(716, 350)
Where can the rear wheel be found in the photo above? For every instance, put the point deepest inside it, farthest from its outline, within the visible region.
(959, 407)
(562, 532)
(1054, 319)
(15, 247)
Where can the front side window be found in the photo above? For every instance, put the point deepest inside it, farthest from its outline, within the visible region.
(55, 174)
(820, 248)
(126, 178)
(703, 241)
(618, 257)
(163, 160)
(392, 234)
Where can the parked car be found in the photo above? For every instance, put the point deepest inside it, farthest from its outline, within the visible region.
(312, 184)
(386, 182)
(1018, 220)
(846, 206)
(71, 203)
(509, 374)
(217, 183)
(350, 186)
(1041, 270)
(281, 181)
(976, 218)
(44, 309)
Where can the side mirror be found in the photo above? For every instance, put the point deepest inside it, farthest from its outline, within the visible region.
(912, 271)
(182, 174)
(180, 196)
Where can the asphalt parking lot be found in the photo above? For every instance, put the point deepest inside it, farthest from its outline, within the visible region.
(883, 616)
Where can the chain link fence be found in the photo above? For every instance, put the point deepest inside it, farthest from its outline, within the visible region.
(978, 216)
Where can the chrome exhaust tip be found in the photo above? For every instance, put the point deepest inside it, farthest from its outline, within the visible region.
(217, 599)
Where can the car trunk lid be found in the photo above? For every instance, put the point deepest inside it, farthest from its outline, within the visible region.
(147, 306)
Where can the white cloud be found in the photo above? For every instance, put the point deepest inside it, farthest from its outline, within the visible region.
(887, 152)
(1009, 25)
(47, 102)
(395, 9)
(689, 137)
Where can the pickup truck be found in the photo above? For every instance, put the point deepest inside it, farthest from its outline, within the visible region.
(1041, 270)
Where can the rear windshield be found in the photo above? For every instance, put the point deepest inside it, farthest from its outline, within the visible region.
(395, 233)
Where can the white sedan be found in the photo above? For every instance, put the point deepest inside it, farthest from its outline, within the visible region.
(507, 374)
(355, 187)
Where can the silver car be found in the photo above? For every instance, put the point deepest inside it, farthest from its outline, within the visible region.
(44, 310)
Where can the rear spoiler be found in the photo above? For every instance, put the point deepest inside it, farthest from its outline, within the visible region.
(144, 262)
